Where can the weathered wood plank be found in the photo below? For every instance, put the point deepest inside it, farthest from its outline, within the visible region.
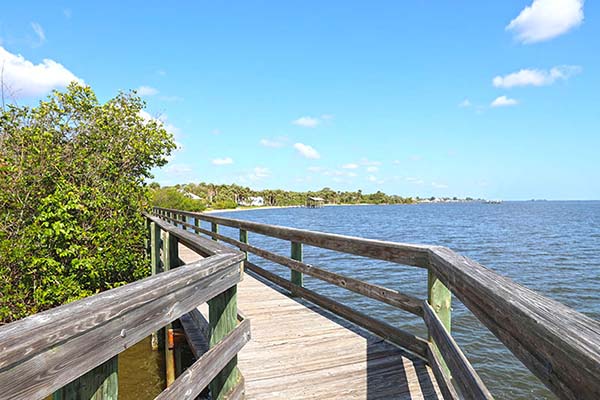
(558, 344)
(101, 383)
(392, 297)
(382, 329)
(207, 367)
(415, 255)
(296, 254)
(70, 340)
(442, 377)
(467, 380)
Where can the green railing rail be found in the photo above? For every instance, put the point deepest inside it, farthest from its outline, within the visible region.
(559, 345)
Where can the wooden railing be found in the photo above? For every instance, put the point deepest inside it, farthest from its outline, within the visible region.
(559, 345)
(71, 351)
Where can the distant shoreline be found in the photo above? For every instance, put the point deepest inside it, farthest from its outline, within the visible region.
(249, 208)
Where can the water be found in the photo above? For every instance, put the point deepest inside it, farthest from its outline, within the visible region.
(550, 247)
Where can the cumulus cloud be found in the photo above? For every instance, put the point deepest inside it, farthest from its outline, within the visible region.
(503, 101)
(465, 103)
(39, 31)
(273, 143)
(22, 78)
(416, 181)
(222, 161)
(307, 151)
(546, 19)
(146, 91)
(350, 166)
(259, 173)
(367, 162)
(372, 169)
(306, 122)
(178, 169)
(439, 185)
(536, 77)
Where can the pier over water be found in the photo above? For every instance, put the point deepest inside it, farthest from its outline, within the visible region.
(259, 335)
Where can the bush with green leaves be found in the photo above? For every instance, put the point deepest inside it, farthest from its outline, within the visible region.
(172, 197)
(72, 189)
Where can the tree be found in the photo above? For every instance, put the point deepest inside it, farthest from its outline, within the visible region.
(72, 189)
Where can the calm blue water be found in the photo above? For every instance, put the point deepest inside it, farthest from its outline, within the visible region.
(550, 247)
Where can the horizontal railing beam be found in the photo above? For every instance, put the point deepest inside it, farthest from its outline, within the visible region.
(558, 344)
(392, 297)
(43, 352)
(191, 383)
(408, 254)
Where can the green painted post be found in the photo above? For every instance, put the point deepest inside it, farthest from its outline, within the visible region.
(147, 244)
(101, 383)
(439, 298)
(297, 277)
(222, 316)
(215, 229)
(171, 254)
(244, 239)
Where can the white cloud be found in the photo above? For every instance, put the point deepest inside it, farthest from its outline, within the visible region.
(503, 101)
(146, 91)
(259, 173)
(314, 169)
(396, 162)
(222, 161)
(536, 77)
(350, 166)
(275, 143)
(327, 117)
(178, 169)
(307, 151)
(22, 78)
(216, 132)
(39, 31)
(307, 122)
(465, 103)
(67, 13)
(416, 181)
(373, 178)
(367, 162)
(439, 185)
(546, 19)
(372, 169)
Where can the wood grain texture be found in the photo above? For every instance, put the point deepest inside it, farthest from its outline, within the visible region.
(68, 341)
(440, 371)
(207, 367)
(101, 383)
(300, 351)
(469, 383)
(415, 255)
(558, 344)
(389, 296)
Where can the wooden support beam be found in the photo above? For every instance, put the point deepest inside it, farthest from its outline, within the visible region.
(244, 239)
(296, 254)
(171, 255)
(214, 227)
(155, 245)
(222, 316)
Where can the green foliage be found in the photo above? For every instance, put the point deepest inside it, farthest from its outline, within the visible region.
(72, 189)
(171, 197)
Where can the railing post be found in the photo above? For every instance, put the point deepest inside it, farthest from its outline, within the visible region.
(244, 239)
(155, 245)
(183, 218)
(215, 229)
(297, 277)
(439, 298)
(222, 316)
(171, 260)
(101, 383)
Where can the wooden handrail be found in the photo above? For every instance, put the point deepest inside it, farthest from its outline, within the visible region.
(43, 352)
(558, 344)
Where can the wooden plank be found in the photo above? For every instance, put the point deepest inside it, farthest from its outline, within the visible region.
(207, 367)
(222, 311)
(101, 383)
(76, 337)
(296, 254)
(382, 329)
(171, 259)
(469, 383)
(558, 344)
(441, 373)
(392, 297)
(408, 254)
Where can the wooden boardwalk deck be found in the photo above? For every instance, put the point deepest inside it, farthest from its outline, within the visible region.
(299, 351)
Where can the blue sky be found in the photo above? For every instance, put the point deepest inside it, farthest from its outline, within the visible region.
(485, 99)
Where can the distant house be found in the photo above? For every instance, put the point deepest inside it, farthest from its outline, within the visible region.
(314, 202)
(253, 201)
(190, 195)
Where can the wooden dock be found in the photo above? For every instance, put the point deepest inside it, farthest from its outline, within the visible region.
(300, 351)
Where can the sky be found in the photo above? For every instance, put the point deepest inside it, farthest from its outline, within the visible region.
(499, 100)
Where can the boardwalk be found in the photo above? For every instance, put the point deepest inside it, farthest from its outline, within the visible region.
(299, 351)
